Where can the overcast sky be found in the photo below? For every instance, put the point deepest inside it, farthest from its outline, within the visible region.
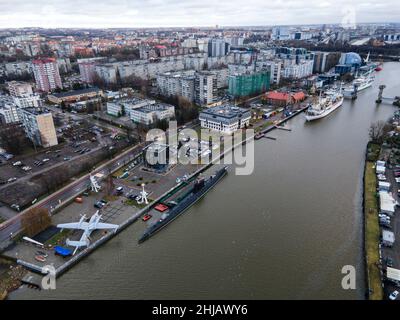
(183, 13)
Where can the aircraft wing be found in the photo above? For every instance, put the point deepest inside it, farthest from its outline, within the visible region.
(106, 226)
(74, 225)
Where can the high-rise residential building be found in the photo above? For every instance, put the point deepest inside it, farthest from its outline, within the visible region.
(177, 84)
(249, 83)
(235, 41)
(87, 68)
(107, 72)
(23, 95)
(205, 88)
(324, 61)
(39, 126)
(280, 33)
(46, 74)
(18, 68)
(218, 48)
(8, 110)
(298, 70)
(19, 88)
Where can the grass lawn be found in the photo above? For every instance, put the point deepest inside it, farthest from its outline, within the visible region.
(58, 238)
(263, 126)
(130, 202)
(372, 233)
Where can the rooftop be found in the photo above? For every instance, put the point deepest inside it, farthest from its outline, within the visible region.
(75, 92)
(225, 111)
(36, 111)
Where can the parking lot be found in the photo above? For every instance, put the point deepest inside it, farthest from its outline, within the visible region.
(115, 212)
(76, 139)
(390, 256)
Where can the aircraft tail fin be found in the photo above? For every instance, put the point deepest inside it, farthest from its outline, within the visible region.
(76, 244)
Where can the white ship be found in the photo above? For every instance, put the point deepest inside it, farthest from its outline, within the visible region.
(324, 106)
(358, 85)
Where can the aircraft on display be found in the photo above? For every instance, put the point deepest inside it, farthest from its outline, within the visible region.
(87, 227)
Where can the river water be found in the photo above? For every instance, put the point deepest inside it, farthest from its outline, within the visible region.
(284, 232)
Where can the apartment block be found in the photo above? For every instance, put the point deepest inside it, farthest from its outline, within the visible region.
(47, 75)
(39, 126)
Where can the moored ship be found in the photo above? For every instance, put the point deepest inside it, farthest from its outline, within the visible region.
(358, 85)
(324, 106)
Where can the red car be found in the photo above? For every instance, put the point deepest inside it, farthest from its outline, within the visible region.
(146, 217)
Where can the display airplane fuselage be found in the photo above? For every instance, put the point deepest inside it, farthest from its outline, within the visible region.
(87, 227)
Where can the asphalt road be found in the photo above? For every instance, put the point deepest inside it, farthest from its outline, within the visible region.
(13, 225)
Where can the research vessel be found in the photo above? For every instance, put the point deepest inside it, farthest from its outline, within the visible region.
(324, 106)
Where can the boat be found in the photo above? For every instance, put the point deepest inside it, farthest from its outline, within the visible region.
(200, 187)
(40, 258)
(378, 68)
(41, 253)
(358, 85)
(324, 106)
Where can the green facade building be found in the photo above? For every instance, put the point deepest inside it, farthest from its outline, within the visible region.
(247, 84)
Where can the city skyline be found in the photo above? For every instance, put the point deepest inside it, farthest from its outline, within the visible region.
(172, 13)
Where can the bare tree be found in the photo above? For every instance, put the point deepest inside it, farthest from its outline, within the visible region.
(35, 221)
(378, 130)
(110, 181)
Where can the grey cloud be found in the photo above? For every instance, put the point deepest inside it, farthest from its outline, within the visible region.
(153, 13)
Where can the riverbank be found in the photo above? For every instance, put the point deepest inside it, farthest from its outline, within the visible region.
(10, 277)
(372, 233)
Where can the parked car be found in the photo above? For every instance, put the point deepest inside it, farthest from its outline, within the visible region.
(18, 163)
(389, 262)
(11, 179)
(132, 196)
(146, 217)
(393, 295)
(119, 190)
(99, 205)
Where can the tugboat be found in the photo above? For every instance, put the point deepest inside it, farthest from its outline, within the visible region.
(199, 189)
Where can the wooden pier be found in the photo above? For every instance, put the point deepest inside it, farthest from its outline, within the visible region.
(283, 128)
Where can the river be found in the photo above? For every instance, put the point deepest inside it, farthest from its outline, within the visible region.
(284, 232)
